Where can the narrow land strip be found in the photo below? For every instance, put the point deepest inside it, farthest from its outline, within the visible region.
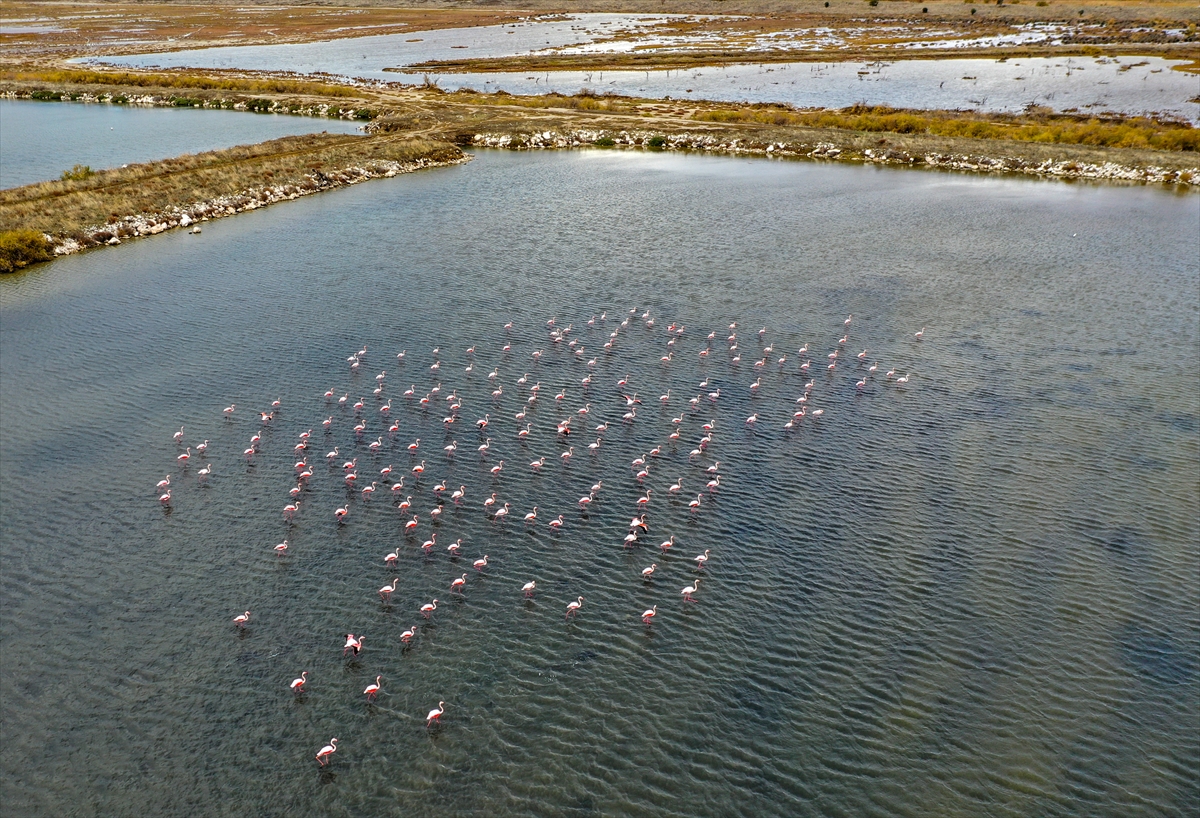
(105, 207)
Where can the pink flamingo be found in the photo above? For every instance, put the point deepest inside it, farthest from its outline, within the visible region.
(574, 607)
(435, 715)
(324, 754)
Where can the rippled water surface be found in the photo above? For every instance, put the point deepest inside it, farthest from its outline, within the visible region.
(42, 139)
(971, 594)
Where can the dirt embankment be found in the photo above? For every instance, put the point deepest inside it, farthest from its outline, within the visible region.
(91, 208)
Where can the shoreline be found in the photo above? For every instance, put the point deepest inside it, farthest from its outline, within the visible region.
(46, 220)
(849, 150)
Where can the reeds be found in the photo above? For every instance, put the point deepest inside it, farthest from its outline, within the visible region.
(1133, 132)
(194, 81)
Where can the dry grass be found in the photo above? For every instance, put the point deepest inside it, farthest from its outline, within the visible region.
(176, 80)
(1135, 132)
(66, 206)
(20, 248)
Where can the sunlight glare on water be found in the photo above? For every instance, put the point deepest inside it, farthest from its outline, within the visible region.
(973, 594)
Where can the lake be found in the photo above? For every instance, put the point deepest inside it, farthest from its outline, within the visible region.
(969, 594)
(1125, 85)
(42, 139)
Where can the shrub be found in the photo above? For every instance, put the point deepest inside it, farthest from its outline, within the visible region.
(78, 173)
(605, 142)
(259, 106)
(658, 142)
(47, 95)
(20, 248)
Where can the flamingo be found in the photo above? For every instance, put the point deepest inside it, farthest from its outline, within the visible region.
(459, 494)
(408, 635)
(178, 435)
(229, 410)
(281, 548)
(430, 543)
(457, 585)
(556, 524)
(385, 593)
(647, 573)
(392, 558)
(241, 619)
(164, 483)
(373, 690)
(183, 458)
(529, 587)
(903, 379)
(676, 487)
(919, 335)
(695, 504)
(411, 524)
(667, 543)
(480, 563)
(353, 643)
(435, 714)
(531, 516)
(689, 590)
(455, 547)
(341, 514)
(702, 559)
(573, 607)
(201, 448)
(298, 683)
(428, 608)
(648, 616)
(323, 755)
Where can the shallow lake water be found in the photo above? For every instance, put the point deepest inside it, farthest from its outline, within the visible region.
(1128, 85)
(42, 139)
(970, 594)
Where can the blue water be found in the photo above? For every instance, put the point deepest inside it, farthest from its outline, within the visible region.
(973, 594)
(39, 140)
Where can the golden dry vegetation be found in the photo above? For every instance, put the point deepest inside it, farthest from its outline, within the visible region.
(68, 205)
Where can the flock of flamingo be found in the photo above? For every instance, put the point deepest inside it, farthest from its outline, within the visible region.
(571, 422)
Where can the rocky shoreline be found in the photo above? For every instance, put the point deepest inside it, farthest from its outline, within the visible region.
(192, 215)
(240, 103)
(847, 151)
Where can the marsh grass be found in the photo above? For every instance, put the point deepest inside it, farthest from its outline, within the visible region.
(1135, 132)
(67, 206)
(20, 248)
(195, 81)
